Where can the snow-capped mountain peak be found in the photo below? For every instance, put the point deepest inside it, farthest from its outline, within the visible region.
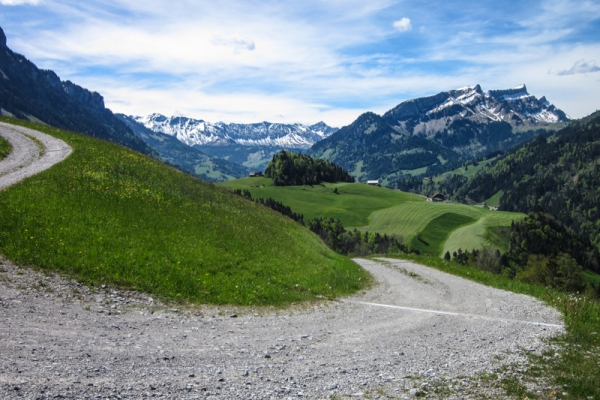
(199, 132)
(430, 115)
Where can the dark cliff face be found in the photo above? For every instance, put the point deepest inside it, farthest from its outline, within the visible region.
(28, 92)
(2, 38)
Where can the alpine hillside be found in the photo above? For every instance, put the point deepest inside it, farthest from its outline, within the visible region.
(38, 95)
(429, 135)
(559, 174)
(251, 145)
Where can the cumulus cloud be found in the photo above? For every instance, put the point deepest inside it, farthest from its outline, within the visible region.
(19, 2)
(580, 67)
(403, 25)
(238, 43)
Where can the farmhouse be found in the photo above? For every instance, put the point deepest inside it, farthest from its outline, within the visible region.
(437, 197)
(255, 174)
(373, 182)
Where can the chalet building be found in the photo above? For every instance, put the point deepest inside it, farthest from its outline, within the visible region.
(438, 197)
(255, 174)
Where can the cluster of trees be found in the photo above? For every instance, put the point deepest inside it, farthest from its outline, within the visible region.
(272, 204)
(333, 233)
(289, 169)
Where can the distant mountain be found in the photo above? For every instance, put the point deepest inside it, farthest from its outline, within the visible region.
(28, 92)
(199, 132)
(185, 157)
(435, 133)
(560, 174)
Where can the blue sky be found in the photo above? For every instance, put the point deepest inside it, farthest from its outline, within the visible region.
(290, 61)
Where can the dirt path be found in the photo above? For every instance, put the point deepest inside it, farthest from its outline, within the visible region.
(29, 156)
(417, 330)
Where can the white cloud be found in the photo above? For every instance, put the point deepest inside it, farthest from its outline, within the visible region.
(19, 2)
(580, 67)
(403, 25)
(238, 43)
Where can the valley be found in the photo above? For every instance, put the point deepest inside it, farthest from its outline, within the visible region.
(385, 211)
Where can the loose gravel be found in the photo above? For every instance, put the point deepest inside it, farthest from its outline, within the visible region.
(417, 332)
(61, 339)
(29, 156)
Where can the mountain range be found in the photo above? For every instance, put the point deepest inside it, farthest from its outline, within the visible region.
(250, 145)
(432, 134)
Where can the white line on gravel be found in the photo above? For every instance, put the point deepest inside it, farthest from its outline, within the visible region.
(455, 314)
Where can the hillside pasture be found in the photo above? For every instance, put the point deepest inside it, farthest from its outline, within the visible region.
(109, 215)
(431, 239)
(352, 205)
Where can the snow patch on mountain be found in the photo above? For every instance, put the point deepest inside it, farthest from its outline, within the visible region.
(199, 132)
(433, 114)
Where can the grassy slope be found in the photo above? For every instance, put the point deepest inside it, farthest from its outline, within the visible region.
(412, 217)
(436, 233)
(467, 237)
(494, 200)
(111, 215)
(5, 148)
(470, 171)
(352, 206)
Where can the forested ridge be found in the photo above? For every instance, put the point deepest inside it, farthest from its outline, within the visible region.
(289, 169)
(559, 174)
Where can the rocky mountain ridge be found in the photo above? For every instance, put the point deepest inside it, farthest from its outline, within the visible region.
(431, 115)
(197, 132)
(434, 134)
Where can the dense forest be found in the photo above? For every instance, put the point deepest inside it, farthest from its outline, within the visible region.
(290, 169)
(559, 174)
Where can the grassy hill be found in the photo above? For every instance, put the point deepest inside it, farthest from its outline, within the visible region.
(5, 148)
(377, 209)
(109, 215)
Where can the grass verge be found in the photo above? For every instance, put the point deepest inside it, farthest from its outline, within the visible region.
(109, 215)
(576, 368)
(5, 148)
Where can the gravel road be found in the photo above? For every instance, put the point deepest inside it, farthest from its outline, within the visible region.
(417, 332)
(29, 156)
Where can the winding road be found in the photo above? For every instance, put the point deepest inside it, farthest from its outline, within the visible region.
(418, 330)
(33, 152)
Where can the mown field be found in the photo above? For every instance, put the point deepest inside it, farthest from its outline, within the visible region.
(108, 215)
(5, 148)
(353, 205)
(412, 218)
(441, 226)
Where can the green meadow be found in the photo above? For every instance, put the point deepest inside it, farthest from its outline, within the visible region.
(441, 226)
(352, 205)
(5, 148)
(467, 171)
(109, 215)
